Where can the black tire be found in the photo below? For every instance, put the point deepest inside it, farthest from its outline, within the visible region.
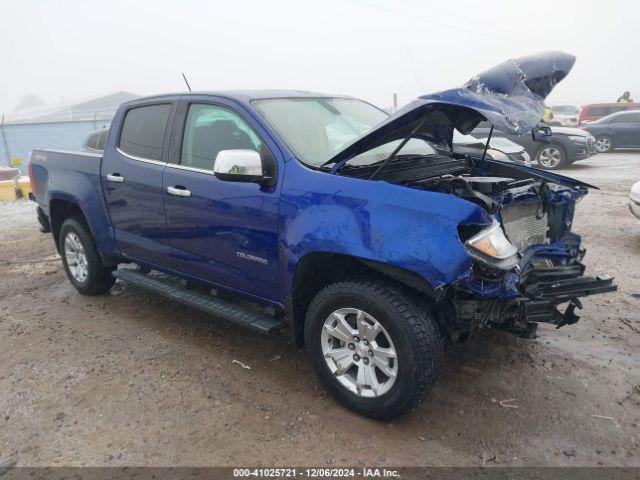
(552, 161)
(414, 333)
(604, 144)
(98, 279)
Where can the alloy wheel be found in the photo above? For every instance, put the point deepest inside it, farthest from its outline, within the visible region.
(603, 144)
(550, 157)
(359, 352)
(76, 257)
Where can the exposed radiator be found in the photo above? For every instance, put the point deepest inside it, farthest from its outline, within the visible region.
(523, 227)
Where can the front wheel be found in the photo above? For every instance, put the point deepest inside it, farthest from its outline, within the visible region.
(81, 260)
(604, 144)
(552, 157)
(373, 349)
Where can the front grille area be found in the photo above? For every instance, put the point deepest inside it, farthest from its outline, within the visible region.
(523, 227)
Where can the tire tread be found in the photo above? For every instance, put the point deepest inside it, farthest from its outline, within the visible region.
(103, 279)
(422, 332)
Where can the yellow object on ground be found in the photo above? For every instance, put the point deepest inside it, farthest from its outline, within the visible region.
(24, 186)
(7, 190)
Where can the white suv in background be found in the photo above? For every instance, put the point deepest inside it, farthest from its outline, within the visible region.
(565, 115)
(634, 199)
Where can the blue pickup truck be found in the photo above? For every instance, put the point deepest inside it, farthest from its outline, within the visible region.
(364, 233)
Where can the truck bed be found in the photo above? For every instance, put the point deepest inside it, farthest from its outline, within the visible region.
(86, 162)
(64, 174)
(49, 164)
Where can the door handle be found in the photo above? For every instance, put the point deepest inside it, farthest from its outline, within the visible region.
(115, 177)
(178, 191)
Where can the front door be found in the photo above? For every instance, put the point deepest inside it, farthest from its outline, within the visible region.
(223, 232)
(131, 177)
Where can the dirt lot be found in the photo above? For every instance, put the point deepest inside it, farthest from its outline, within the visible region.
(131, 379)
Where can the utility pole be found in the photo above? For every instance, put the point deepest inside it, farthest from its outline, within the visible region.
(395, 102)
(4, 142)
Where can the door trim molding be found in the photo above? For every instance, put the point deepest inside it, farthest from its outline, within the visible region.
(140, 159)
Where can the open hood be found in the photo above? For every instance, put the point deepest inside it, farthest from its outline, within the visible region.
(510, 95)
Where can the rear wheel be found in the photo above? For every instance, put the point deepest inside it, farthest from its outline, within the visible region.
(552, 157)
(81, 260)
(604, 144)
(374, 350)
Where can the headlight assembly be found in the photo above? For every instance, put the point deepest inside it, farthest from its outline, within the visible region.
(577, 139)
(492, 246)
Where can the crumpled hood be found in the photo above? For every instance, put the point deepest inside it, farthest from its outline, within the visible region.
(510, 95)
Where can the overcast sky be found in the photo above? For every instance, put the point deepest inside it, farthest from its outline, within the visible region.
(366, 48)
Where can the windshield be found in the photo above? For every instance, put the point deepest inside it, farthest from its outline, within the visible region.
(566, 110)
(415, 147)
(318, 128)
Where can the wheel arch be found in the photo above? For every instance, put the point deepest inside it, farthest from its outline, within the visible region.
(62, 207)
(316, 270)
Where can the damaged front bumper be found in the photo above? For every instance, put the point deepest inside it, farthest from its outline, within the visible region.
(543, 291)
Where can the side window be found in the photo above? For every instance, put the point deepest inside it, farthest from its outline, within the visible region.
(626, 118)
(210, 129)
(143, 131)
(599, 111)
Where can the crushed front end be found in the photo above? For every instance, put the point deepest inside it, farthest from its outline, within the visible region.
(524, 264)
(542, 277)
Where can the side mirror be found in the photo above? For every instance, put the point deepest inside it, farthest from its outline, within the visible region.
(541, 133)
(238, 166)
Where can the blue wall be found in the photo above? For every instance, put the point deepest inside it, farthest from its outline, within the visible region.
(21, 139)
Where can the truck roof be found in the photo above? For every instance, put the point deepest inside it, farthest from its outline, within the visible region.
(244, 96)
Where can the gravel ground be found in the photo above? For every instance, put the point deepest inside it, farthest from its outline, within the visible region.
(132, 379)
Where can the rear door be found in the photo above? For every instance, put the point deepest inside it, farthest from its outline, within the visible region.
(131, 176)
(626, 129)
(223, 232)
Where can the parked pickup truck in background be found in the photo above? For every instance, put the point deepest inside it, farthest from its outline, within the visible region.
(96, 140)
(365, 234)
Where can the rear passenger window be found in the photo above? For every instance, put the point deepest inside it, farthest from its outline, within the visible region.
(210, 129)
(626, 118)
(143, 131)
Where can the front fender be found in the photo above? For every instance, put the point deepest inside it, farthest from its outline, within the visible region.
(408, 228)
